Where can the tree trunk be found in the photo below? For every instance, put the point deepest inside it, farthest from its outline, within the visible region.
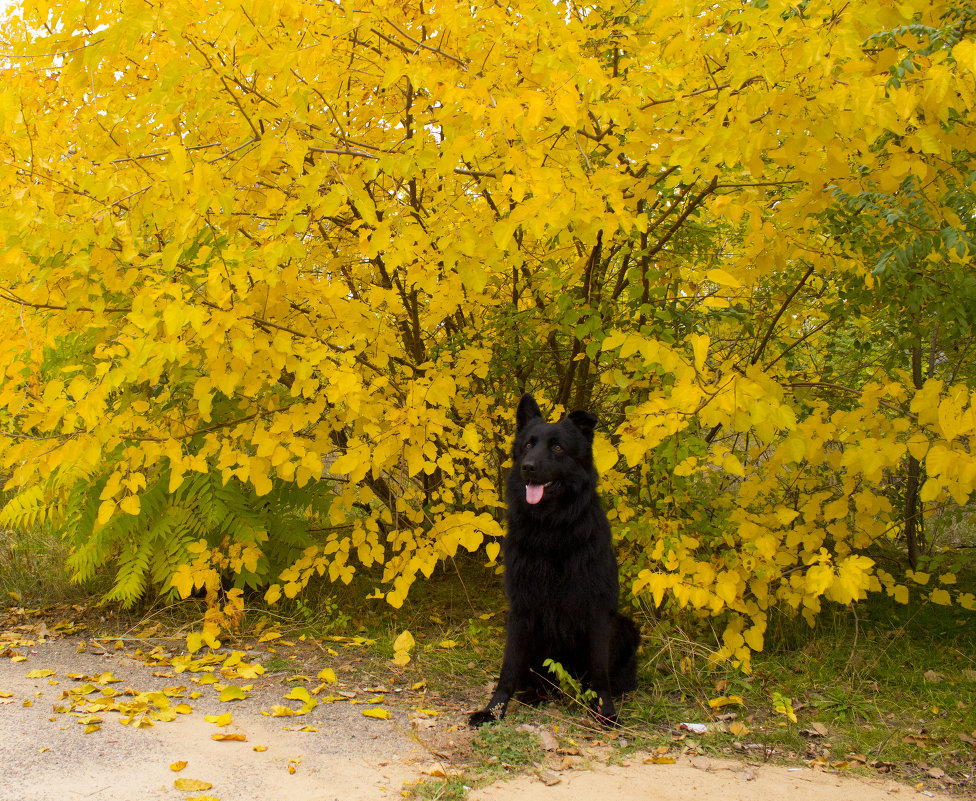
(912, 512)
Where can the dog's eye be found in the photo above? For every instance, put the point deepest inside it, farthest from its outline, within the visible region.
(557, 448)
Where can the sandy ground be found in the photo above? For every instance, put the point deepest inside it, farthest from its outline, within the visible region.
(46, 755)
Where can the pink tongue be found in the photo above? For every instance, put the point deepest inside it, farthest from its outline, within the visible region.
(533, 492)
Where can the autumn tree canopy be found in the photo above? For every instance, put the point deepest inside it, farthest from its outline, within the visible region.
(273, 275)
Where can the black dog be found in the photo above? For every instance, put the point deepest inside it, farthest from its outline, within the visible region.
(560, 570)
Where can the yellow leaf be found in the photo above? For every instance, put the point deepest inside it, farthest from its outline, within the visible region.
(492, 550)
(377, 712)
(731, 464)
(965, 54)
(719, 276)
(699, 346)
(191, 785)
(178, 766)
(605, 456)
(232, 693)
(402, 646)
(130, 504)
(327, 675)
(281, 711)
(41, 673)
(725, 700)
(299, 694)
(236, 738)
(217, 720)
(105, 512)
(941, 597)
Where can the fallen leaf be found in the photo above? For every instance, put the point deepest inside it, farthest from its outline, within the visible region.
(232, 693)
(259, 748)
(549, 742)
(660, 760)
(377, 712)
(327, 675)
(217, 720)
(816, 730)
(41, 673)
(373, 699)
(223, 738)
(280, 711)
(725, 700)
(178, 766)
(190, 785)
(299, 694)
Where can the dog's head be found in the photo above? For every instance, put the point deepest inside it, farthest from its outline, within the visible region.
(551, 459)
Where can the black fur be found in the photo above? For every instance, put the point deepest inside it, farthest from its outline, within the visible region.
(560, 570)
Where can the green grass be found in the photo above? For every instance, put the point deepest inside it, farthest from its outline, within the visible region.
(893, 688)
(33, 570)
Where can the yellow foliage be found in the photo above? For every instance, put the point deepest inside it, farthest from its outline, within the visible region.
(293, 247)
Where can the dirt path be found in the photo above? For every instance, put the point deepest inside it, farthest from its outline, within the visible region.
(47, 755)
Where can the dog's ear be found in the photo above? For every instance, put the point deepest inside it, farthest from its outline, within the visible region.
(528, 409)
(584, 421)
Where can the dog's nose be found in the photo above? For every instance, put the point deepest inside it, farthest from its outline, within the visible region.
(528, 468)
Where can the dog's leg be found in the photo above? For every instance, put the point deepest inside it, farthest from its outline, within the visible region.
(514, 668)
(624, 642)
(599, 672)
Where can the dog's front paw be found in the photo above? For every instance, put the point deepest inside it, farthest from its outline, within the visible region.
(480, 718)
(605, 714)
(606, 721)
